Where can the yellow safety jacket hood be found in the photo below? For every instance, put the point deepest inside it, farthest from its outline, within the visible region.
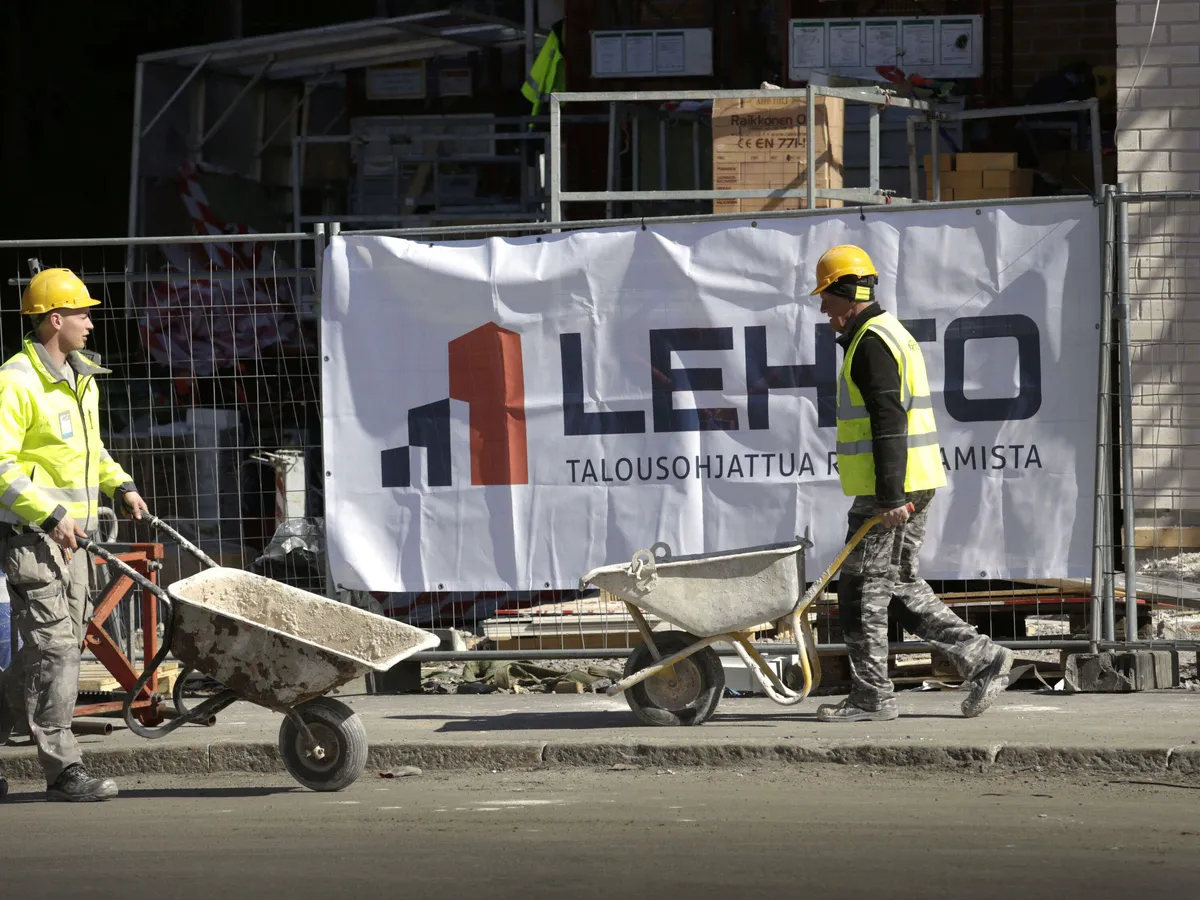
(52, 461)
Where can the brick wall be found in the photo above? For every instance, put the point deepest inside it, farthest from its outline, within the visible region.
(1158, 142)
(1050, 34)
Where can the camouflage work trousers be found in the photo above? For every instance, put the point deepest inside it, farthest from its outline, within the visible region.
(881, 574)
(49, 598)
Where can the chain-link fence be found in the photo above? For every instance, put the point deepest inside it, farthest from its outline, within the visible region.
(214, 407)
(212, 404)
(1156, 410)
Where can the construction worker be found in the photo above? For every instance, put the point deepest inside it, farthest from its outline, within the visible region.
(52, 469)
(888, 458)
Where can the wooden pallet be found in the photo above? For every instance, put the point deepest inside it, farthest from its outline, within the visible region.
(94, 678)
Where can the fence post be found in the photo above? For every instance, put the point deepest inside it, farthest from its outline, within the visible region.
(1124, 314)
(319, 248)
(1099, 519)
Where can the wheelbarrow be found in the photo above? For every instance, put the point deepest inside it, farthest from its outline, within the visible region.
(276, 646)
(675, 677)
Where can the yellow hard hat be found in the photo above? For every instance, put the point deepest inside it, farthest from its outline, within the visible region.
(52, 289)
(841, 261)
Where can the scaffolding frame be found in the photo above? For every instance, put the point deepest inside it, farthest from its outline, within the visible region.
(308, 59)
(934, 116)
(877, 98)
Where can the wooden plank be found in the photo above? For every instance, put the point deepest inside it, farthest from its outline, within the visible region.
(1171, 538)
(94, 677)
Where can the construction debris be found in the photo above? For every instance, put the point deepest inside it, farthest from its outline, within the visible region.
(520, 676)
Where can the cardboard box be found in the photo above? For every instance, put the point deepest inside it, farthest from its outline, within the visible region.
(761, 144)
(979, 162)
(969, 193)
(1018, 183)
(947, 193)
(945, 162)
(961, 180)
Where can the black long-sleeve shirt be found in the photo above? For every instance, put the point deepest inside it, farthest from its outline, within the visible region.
(877, 375)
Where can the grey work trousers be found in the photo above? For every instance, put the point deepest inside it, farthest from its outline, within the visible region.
(881, 574)
(49, 598)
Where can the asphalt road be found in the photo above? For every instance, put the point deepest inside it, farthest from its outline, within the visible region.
(758, 831)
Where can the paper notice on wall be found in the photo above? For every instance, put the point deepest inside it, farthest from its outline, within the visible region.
(845, 46)
(808, 46)
(639, 54)
(882, 43)
(917, 42)
(669, 53)
(609, 54)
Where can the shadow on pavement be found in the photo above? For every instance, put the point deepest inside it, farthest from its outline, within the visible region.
(16, 795)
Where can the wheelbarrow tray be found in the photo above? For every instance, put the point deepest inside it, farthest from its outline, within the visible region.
(279, 646)
(714, 593)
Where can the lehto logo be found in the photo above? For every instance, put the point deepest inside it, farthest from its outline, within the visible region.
(486, 373)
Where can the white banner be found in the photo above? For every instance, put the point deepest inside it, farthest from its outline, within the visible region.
(506, 414)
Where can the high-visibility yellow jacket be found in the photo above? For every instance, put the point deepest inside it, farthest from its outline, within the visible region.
(855, 447)
(548, 75)
(52, 461)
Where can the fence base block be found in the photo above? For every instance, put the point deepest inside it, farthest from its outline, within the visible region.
(402, 678)
(1122, 672)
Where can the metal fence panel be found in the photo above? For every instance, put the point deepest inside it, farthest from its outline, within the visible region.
(212, 404)
(1157, 537)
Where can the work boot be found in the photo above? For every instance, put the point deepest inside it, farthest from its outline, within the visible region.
(987, 684)
(77, 785)
(849, 712)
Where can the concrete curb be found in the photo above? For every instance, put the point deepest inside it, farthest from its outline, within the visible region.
(231, 756)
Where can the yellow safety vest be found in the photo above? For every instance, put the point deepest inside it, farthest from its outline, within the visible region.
(856, 457)
(52, 461)
(548, 75)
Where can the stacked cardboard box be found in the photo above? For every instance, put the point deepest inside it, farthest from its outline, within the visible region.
(761, 144)
(978, 176)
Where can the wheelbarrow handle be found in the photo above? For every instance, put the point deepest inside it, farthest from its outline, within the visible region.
(819, 585)
(124, 568)
(159, 524)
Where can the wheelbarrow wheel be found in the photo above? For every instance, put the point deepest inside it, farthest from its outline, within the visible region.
(688, 696)
(339, 731)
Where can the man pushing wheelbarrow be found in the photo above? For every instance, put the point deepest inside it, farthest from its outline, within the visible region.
(889, 461)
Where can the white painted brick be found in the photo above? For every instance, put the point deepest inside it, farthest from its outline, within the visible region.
(1164, 139)
(1149, 161)
(1145, 118)
(1185, 76)
(1168, 98)
(1185, 118)
(1185, 162)
(1143, 332)
(1152, 76)
(1130, 139)
(1127, 13)
(1169, 12)
(1170, 181)
(1182, 35)
(1158, 54)
(1138, 35)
